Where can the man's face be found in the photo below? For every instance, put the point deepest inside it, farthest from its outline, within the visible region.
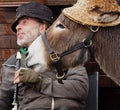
(28, 30)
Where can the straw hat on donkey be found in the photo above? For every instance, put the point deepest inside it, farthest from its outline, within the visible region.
(94, 12)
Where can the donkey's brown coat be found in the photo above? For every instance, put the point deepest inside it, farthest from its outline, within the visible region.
(106, 43)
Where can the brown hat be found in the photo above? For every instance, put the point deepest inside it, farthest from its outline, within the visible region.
(94, 12)
(34, 10)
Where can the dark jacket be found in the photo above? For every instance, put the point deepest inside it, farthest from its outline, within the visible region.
(71, 94)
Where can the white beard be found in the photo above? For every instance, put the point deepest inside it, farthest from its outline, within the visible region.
(36, 56)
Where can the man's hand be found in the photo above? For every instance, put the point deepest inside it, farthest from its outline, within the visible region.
(16, 77)
(26, 76)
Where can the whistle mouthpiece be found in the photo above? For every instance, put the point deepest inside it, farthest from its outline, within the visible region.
(18, 55)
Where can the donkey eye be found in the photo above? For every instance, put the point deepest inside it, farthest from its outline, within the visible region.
(60, 26)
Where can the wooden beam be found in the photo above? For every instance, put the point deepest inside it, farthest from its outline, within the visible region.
(11, 4)
(60, 2)
(6, 53)
(16, 3)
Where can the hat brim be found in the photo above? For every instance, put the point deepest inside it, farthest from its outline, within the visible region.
(13, 26)
(83, 17)
(16, 21)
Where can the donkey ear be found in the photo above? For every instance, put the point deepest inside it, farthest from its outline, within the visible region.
(105, 18)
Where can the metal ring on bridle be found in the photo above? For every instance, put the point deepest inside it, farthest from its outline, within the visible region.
(60, 77)
(87, 45)
(94, 28)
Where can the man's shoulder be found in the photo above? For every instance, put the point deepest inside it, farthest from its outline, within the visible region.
(11, 60)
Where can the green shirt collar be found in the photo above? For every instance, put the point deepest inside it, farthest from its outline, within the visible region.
(23, 50)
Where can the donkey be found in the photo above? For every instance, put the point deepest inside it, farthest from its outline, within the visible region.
(70, 42)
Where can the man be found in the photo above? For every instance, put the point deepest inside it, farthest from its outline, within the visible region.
(39, 91)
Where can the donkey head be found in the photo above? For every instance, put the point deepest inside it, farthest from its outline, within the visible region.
(61, 36)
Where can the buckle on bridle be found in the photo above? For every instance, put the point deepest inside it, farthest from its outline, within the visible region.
(60, 77)
(54, 57)
(87, 43)
(94, 28)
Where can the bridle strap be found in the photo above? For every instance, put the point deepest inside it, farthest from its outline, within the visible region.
(84, 44)
(49, 49)
(55, 59)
